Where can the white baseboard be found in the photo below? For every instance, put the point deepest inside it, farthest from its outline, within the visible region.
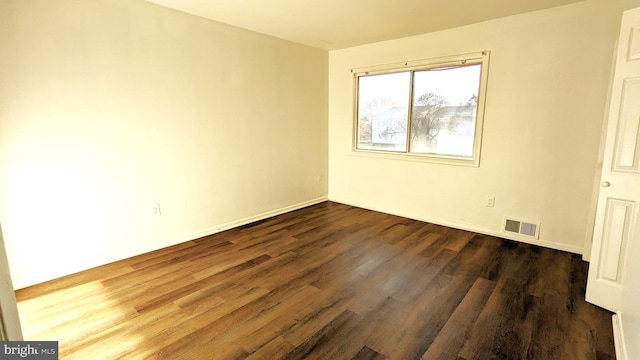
(248, 220)
(229, 225)
(163, 243)
(618, 337)
(472, 228)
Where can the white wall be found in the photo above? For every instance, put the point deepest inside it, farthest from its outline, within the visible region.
(546, 94)
(110, 106)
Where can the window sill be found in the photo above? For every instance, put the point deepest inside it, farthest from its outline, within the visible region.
(435, 159)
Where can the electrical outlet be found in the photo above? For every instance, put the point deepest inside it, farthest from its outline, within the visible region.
(491, 201)
(155, 210)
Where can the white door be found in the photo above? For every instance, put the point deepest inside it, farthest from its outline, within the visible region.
(619, 197)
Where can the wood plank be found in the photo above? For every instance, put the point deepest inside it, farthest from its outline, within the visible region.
(275, 349)
(451, 338)
(327, 281)
(366, 353)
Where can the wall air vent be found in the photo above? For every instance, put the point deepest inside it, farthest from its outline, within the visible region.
(522, 228)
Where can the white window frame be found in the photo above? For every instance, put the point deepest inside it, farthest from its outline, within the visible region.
(481, 58)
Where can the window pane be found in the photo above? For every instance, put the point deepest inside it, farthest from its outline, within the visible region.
(383, 106)
(444, 110)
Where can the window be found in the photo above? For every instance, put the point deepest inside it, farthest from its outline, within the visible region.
(429, 109)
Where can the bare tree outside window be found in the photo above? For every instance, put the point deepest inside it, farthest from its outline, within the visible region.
(429, 115)
(444, 110)
(429, 110)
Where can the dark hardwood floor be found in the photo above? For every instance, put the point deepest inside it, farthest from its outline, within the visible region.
(329, 281)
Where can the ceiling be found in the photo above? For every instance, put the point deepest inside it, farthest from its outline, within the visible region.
(336, 24)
